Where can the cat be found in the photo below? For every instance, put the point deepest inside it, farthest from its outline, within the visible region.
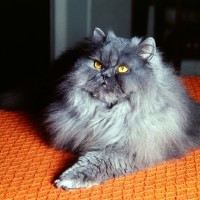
(122, 109)
(119, 107)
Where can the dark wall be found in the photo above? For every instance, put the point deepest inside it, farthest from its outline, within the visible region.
(176, 27)
(24, 40)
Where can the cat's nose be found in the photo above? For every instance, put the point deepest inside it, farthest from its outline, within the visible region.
(104, 84)
(106, 74)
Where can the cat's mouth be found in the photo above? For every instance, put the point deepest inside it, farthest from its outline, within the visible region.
(107, 92)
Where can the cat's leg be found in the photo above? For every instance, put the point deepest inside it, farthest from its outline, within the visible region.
(94, 168)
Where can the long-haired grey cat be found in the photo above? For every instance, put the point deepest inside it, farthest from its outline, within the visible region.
(120, 108)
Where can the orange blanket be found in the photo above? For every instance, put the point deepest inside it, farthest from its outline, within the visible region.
(28, 167)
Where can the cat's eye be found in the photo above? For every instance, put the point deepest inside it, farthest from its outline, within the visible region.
(122, 69)
(97, 65)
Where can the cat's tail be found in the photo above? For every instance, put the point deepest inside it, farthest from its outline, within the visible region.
(13, 99)
(31, 98)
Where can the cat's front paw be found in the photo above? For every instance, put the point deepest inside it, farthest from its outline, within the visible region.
(70, 181)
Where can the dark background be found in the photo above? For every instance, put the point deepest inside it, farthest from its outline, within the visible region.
(25, 35)
(24, 41)
(176, 28)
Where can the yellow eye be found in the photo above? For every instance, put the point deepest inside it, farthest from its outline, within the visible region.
(97, 65)
(122, 69)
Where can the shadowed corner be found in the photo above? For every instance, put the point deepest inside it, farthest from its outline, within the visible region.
(69, 159)
(35, 120)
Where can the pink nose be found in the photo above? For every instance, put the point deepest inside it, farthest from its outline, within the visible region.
(104, 84)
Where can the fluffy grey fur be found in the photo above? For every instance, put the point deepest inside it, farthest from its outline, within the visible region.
(120, 123)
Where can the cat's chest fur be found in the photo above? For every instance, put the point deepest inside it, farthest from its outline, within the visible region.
(97, 124)
(88, 124)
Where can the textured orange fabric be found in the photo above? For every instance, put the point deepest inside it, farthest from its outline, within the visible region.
(28, 166)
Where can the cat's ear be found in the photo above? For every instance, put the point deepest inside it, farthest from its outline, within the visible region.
(110, 35)
(147, 49)
(99, 34)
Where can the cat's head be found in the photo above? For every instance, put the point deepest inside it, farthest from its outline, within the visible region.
(117, 69)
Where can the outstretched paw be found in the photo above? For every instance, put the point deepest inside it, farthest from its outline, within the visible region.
(68, 182)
